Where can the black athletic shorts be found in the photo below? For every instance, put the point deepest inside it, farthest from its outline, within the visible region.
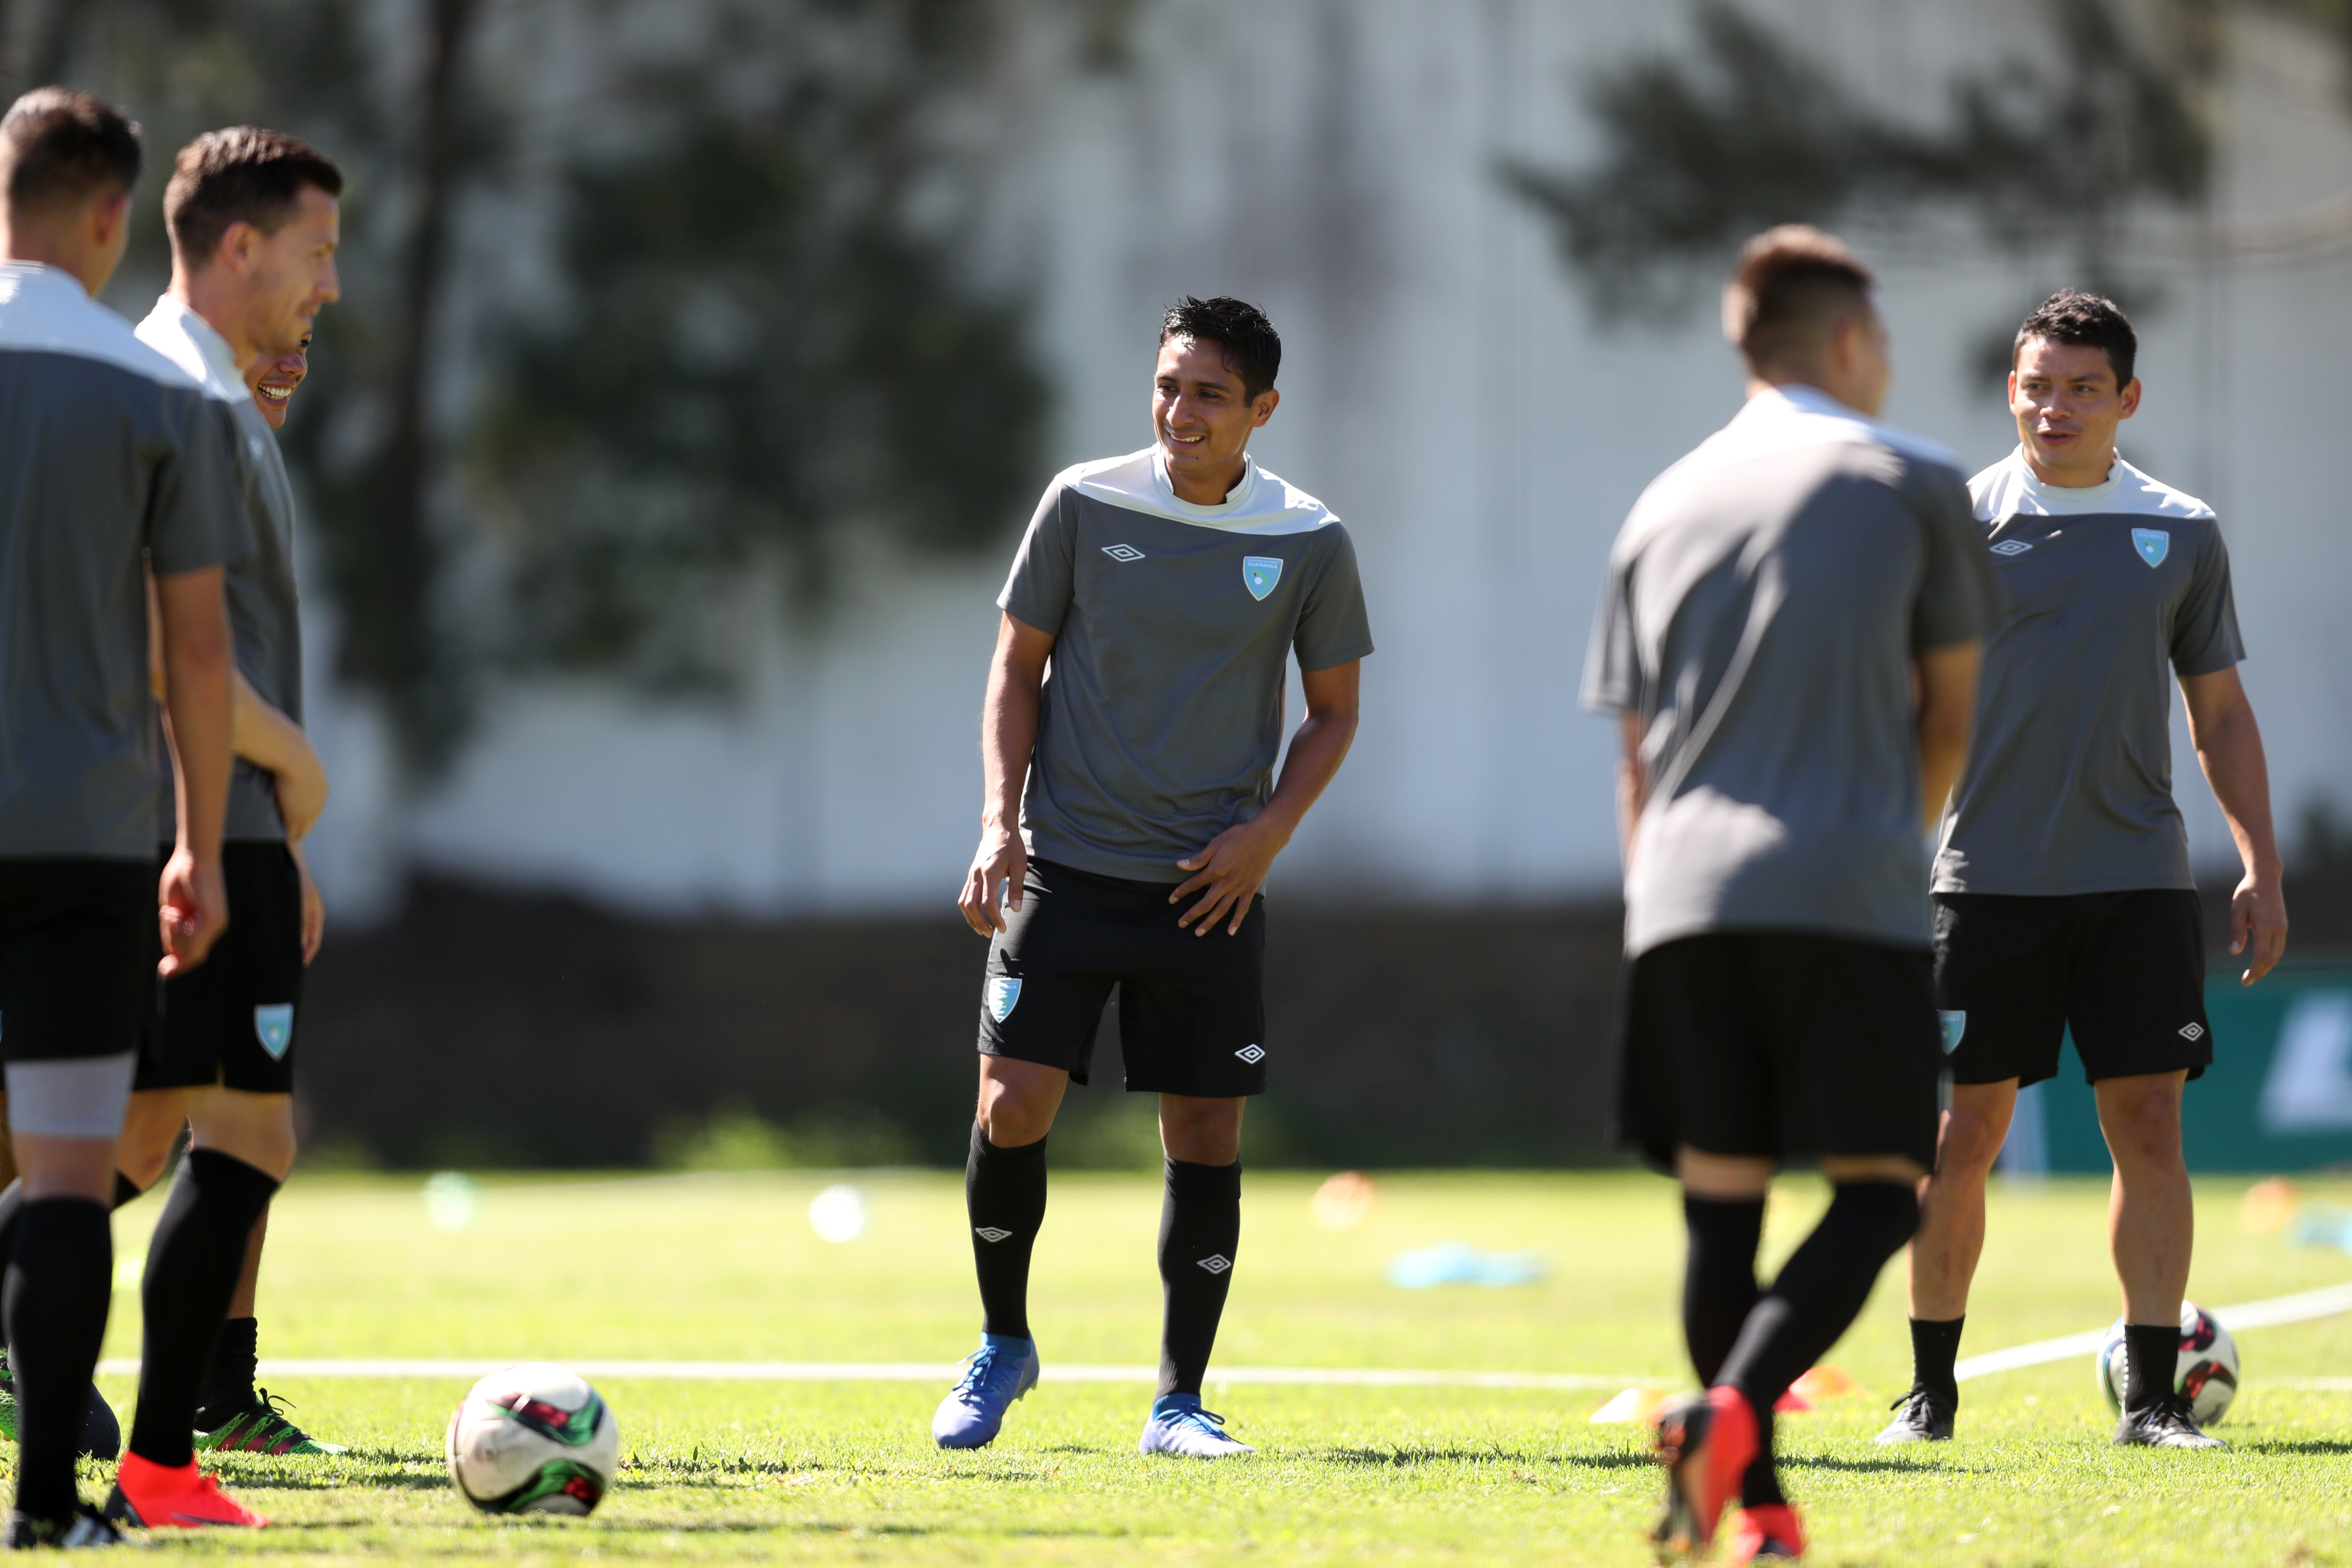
(78, 944)
(230, 1020)
(1191, 1009)
(2126, 970)
(1781, 1045)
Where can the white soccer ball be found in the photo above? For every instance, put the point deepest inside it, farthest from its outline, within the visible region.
(533, 1438)
(2207, 1372)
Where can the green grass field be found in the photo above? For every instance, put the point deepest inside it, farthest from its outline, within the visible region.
(727, 1268)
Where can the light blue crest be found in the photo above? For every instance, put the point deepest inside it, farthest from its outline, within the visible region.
(273, 1024)
(2153, 544)
(1955, 1026)
(1003, 996)
(1260, 574)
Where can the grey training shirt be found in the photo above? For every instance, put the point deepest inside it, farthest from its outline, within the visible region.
(2068, 787)
(109, 455)
(264, 605)
(1766, 599)
(1161, 714)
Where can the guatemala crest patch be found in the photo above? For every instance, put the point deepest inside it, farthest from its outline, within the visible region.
(1003, 996)
(273, 1024)
(1955, 1026)
(2152, 543)
(1260, 574)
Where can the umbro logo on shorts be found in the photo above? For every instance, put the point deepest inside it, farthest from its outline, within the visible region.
(1252, 1054)
(990, 1232)
(1122, 553)
(1216, 1263)
(2012, 547)
(2192, 1031)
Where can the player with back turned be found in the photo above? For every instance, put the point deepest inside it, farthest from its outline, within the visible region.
(112, 462)
(2063, 892)
(1790, 640)
(1131, 813)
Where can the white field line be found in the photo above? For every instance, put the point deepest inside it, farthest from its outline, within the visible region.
(2299, 1307)
(927, 1372)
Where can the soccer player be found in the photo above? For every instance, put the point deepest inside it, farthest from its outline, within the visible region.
(1130, 815)
(1790, 640)
(254, 225)
(2064, 896)
(112, 462)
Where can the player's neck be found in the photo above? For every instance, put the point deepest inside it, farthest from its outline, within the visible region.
(1206, 487)
(211, 295)
(2079, 475)
(32, 243)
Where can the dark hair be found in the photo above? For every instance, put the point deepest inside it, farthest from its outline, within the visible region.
(1252, 348)
(2091, 321)
(60, 147)
(1791, 288)
(242, 174)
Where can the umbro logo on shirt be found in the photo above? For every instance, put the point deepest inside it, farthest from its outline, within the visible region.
(1122, 551)
(990, 1232)
(1252, 1054)
(2012, 547)
(2193, 1032)
(1216, 1263)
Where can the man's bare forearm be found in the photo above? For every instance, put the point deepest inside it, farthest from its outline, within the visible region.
(198, 664)
(1316, 749)
(1008, 737)
(263, 735)
(2236, 767)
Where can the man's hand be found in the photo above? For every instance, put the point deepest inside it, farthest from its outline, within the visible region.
(1002, 858)
(193, 911)
(1228, 874)
(2258, 925)
(302, 782)
(314, 908)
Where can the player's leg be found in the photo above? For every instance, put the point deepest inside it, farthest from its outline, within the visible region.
(1192, 1027)
(2138, 1007)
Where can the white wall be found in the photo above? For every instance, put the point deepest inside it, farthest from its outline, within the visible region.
(1446, 391)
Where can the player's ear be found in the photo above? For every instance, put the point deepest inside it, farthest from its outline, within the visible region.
(1263, 408)
(2130, 397)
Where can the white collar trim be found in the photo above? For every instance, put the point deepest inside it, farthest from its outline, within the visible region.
(1262, 502)
(45, 310)
(174, 331)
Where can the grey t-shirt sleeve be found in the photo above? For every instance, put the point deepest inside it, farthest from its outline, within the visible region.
(196, 513)
(1613, 673)
(1037, 594)
(2205, 627)
(1333, 629)
(1957, 592)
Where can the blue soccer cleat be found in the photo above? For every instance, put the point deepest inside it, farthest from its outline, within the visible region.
(1179, 1425)
(1000, 1371)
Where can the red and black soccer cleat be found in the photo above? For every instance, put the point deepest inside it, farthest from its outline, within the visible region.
(1766, 1534)
(155, 1497)
(1705, 1442)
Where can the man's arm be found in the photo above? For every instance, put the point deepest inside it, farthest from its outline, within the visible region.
(198, 657)
(1008, 734)
(2230, 748)
(1946, 683)
(1632, 783)
(1229, 870)
(258, 733)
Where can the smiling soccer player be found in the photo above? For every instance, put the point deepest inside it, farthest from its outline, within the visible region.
(2063, 886)
(1130, 815)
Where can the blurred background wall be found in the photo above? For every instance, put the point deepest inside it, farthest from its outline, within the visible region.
(699, 362)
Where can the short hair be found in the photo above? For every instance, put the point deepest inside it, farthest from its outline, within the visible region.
(1251, 347)
(60, 147)
(2089, 320)
(242, 174)
(1792, 288)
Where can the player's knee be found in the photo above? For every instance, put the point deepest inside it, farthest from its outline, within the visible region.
(1970, 1145)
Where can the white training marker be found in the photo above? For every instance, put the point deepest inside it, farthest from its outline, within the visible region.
(838, 1214)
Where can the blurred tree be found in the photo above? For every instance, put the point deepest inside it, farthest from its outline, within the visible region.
(1702, 152)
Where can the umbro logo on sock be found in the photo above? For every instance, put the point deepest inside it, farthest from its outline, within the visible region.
(2012, 547)
(1252, 1054)
(990, 1232)
(1122, 553)
(1216, 1263)
(2193, 1032)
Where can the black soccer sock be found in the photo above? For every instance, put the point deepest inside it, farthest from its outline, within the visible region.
(2152, 1357)
(192, 1262)
(1815, 1298)
(1005, 1195)
(1935, 1352)
(1719, 1277)
(1200, 1230)
(12, 1201)
(229, 1380)
(59, 1281)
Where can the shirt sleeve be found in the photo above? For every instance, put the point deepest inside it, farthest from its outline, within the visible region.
(1333, 627)
(2205, 626)
(1613, 664)
(1956, 590)
(196, 514)
(1037, 594)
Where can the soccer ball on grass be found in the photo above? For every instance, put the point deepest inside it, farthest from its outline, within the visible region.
(533, 1438)
(2207, 1372)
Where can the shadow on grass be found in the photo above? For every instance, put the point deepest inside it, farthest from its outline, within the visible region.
(1876, 1467)
(2284, 1445)
(1409, 1456)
